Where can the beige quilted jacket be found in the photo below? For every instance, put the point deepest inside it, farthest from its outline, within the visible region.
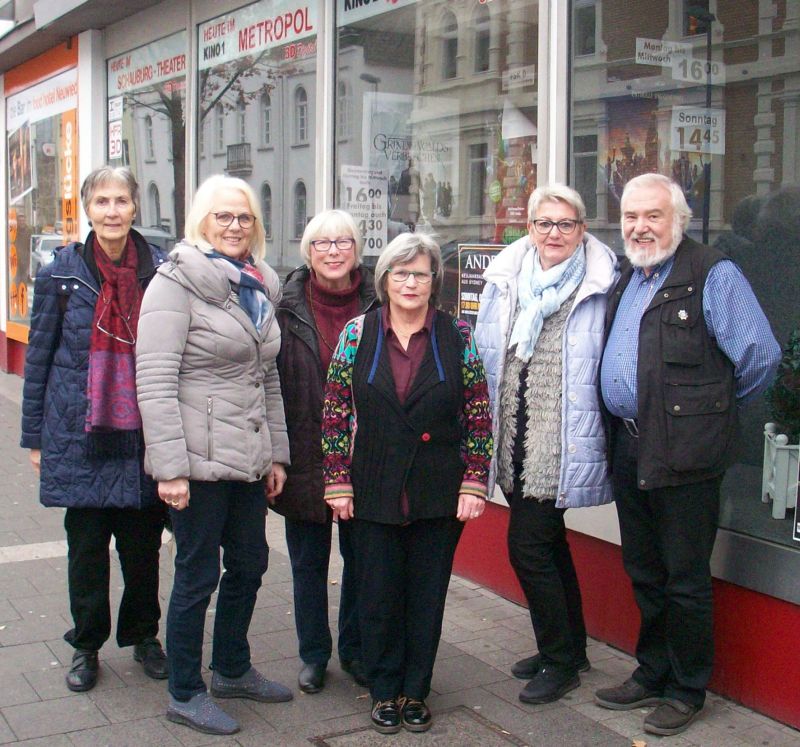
(207, 380)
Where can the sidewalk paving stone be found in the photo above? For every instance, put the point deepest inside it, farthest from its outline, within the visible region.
(474, 698)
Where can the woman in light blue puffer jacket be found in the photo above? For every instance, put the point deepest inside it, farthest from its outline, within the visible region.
(540, 332)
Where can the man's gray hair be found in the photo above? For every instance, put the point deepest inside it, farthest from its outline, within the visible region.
(406, 248)
(683, 213)
(121, 175)
(556, 193)
(330, 223)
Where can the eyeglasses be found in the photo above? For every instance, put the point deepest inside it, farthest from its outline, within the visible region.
(245, 220)
(402, 276)
(324, 245)
(565, 227)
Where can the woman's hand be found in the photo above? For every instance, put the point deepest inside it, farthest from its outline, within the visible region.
(342, 508)
(275, 482)
(175, 493)
(36, 459)
(469, 506)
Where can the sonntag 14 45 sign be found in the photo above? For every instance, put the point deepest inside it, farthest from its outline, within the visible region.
(255, 29)
(696, 129)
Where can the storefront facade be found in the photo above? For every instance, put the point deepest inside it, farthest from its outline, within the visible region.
(443, 115)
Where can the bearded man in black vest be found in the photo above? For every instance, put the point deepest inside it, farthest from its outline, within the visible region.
(687, 344)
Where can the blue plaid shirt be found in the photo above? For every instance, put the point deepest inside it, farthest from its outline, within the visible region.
(733, 318)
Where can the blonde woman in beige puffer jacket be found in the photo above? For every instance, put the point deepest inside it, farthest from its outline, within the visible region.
(216, 440)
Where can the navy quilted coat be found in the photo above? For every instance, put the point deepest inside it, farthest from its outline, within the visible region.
(54, 393)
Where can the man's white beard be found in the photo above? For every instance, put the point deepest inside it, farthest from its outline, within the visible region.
(652, 256)
(644, 257)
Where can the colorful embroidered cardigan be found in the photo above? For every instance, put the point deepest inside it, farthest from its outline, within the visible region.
(340, 421)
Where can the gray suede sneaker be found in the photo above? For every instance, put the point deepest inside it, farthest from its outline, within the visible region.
(201, 714)
(252, 684)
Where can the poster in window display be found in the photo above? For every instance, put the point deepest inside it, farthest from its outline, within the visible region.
(363, 195)
(639, 142)
(20, 164)
(418, 154)
(463, 278)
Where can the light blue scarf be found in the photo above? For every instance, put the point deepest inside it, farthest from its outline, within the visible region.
(541, 293)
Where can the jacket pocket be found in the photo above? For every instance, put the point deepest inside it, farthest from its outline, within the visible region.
(698, 419)
(210, 428)
(682, 344)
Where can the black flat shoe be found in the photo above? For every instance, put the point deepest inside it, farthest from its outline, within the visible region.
(152, 658)
(83, 674)
(311, 678)
(527, 669)
(355, 670)
(415, 715)
(549, 685)
(386, 716)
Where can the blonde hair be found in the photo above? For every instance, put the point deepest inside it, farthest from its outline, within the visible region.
(331, 222)
(203, 204)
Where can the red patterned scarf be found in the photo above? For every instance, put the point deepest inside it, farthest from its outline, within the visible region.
(112, 414)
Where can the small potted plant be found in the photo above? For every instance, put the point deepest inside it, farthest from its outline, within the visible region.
(781, 448)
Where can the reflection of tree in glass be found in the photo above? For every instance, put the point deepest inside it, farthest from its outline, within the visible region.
(167, 100)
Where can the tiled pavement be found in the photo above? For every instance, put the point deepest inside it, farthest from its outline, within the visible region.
(474, 699)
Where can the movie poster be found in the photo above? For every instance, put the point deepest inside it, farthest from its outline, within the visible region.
(20, 168)
(639, 143)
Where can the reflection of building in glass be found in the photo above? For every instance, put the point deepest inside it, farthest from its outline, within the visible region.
(256, 114)
(448, 111)
(628, 84)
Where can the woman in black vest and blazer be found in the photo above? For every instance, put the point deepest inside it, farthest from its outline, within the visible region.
(406, 438)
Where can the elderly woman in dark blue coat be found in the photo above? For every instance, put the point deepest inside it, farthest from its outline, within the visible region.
(81, 423)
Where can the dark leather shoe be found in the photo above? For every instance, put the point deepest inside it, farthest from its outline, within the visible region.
(355, 670)
(311, 678)
(83, 674)
(548, 685)
(671, 717)
(627, 696)
(386, 716)
(526, 669)
(152, 658)
(415, 715)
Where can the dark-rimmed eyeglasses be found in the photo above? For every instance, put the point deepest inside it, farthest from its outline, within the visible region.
(224, 219)
(565, 227)
(343, 245)
(402, 276)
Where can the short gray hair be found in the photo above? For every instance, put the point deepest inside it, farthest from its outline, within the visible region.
(121, 175)
(683, 213)
(203, 204)
(556, 193)
(338, 222)
(406, 248)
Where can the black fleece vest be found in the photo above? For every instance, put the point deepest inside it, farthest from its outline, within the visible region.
(686, 387)
(415, 446)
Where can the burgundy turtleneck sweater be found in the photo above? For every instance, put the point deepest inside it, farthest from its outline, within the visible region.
(331, 310)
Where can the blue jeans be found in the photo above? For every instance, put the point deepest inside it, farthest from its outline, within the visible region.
(309, 546)
(231, 515)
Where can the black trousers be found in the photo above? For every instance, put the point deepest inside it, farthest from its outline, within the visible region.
(667, 538)
(138, 540)
(404, 572)
(309, 546)
(539, 553)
